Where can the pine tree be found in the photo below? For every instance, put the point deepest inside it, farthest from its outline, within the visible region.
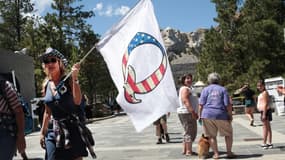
(218, 48)
(260, 38)
(248, 43)
(65, 24)
(12, 28)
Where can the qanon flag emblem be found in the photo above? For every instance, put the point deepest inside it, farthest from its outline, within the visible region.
(131, 87)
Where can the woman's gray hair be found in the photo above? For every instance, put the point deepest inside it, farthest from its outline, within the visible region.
(214, 78)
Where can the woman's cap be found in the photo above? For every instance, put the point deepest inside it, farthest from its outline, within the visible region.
(50, 52)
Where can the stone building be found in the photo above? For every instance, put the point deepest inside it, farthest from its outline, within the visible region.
(23, 66)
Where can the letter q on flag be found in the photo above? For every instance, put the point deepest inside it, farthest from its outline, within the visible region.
(137, 61)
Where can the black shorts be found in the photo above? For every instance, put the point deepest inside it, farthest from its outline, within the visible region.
(268, 115)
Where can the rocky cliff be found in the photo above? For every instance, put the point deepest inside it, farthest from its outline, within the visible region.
(178, 43)
(183, 49)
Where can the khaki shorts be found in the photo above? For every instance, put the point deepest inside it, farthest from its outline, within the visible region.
(211, 127)
(161, 120)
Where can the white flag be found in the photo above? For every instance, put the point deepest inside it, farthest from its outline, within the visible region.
(136, 58)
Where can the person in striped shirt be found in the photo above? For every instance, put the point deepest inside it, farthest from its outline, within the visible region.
(12, 121)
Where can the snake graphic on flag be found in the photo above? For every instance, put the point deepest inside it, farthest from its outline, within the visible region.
(131, 87)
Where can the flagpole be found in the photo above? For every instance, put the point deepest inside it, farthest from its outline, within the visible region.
(69, 74)
(60, 87)
(14, 80)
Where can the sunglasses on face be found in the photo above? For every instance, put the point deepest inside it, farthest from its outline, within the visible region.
(49, 60)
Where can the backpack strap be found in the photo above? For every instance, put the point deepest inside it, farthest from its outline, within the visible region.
(2, 88)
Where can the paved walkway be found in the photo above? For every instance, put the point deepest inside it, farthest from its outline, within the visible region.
(116, 139)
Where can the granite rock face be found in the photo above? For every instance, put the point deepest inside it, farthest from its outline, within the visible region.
(183, 49)
(177, 42)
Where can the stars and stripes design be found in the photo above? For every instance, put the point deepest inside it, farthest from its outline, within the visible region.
(132, 87)
(134, 52)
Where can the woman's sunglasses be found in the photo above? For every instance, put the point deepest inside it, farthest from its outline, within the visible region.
(49, 60)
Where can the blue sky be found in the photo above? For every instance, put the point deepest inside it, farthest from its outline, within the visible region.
(184, 15)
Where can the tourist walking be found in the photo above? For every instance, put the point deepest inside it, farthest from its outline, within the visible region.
(161, 129)
(249, 102)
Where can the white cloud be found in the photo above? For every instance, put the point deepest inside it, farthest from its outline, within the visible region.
(110, 11)
(41, 5)
(99, 7)
(122, 10)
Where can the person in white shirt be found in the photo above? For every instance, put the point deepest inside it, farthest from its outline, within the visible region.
(187, 113)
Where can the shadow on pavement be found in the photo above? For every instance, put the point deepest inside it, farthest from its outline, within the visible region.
(175, 140)
(174, 133)
(253, 139)
(171, 141)
(30, 159)
(223, 155)
(241, 156)
(282, 148)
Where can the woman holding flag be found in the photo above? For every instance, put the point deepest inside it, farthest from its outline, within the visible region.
(61, 134)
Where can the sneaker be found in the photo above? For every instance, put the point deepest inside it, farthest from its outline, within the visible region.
(264, 146)
(159, 141)
(270, 146)
(167, 137)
